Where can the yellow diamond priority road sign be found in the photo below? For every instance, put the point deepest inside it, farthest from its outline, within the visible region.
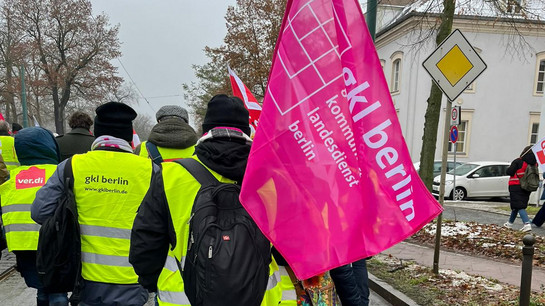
(454, 65)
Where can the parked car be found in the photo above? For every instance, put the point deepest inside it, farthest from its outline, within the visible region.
(437, 166)
(475, 179)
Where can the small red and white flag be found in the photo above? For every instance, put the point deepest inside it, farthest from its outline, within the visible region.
(135, 139)
(240, 90)
(539, 152)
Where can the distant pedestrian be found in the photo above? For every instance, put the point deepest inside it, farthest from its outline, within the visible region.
(16, 127)
(518, 196)
(171, 138)
(6, 147)
(79, 139)
(39, 155)
(109, 184)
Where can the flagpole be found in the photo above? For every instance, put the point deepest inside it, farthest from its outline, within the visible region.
(23, 96)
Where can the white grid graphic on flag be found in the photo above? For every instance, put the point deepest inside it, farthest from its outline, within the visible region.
(316, 43)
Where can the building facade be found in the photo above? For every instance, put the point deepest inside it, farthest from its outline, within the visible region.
(501, 109)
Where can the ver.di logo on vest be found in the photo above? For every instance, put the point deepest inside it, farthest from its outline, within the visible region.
(32, 177)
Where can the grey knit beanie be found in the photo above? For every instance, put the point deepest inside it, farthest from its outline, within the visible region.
(172, 110)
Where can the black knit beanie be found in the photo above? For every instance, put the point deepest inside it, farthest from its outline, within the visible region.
(114, 119)
(224, 111)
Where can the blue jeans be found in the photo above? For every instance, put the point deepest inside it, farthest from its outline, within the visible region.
(523, 215)
(351, 283)
(26, 264)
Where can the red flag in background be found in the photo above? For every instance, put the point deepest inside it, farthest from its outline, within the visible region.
(240, 90)
(135, 139)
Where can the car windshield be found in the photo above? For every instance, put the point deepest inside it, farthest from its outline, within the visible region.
(463, 169)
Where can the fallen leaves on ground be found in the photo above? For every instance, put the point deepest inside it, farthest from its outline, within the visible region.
(447, 288)
(455, 287)
(487, 240)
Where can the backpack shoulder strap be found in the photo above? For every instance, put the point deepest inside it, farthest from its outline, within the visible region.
(154, 153)
(198, 171)
(68, 174)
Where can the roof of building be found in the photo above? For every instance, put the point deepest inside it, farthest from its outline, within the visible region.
(530, 10)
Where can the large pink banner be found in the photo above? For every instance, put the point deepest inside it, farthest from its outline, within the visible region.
(330, 179)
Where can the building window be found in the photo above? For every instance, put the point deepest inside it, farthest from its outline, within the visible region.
(395, 82)
(513, 6)
(540, 75)
(396, 66)
(533, 129)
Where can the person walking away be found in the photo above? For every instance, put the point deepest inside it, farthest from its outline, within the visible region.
(109, 185)
(518, 196)
(79, 139)
(39, 155)
(7, 148)
(162, 222)
(171, 138)
(15, 127)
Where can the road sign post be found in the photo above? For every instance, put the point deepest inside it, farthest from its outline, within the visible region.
(453, 66)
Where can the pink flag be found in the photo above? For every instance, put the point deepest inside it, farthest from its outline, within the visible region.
(240, 90)
(330, 180)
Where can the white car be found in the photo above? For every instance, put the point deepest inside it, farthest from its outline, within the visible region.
(475, 179)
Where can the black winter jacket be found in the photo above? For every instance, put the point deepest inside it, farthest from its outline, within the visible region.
(518, 196)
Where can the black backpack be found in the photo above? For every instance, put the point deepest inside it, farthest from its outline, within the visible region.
(58, 258)
(227, 261)
(530, 180)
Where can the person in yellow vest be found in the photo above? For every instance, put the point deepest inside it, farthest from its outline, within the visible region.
(171, 138)
(7, 148)
(159, 239)
(39, 155)
(109, 185)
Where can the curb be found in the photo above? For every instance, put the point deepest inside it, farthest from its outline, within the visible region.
(389, 293)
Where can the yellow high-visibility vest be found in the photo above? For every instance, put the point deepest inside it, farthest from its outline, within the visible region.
(16, 197)
(168, 154)
(109, 187)
(7, 149)
(180, 191)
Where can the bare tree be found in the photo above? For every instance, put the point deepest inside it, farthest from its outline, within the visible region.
(74, 49)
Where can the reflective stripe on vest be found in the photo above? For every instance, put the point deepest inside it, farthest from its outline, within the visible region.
(109, 187)
(108, 260)
(24, 227)
(171, 290)
(103, 231)
(16, 207)
(7, 149)
(16, 195)
(289, 296)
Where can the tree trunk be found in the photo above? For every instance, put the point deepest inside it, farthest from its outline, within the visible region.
(429, 139)
(58, 112)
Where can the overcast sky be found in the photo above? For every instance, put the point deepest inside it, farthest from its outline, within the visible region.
(161, 39)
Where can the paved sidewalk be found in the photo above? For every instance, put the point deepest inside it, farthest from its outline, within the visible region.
(504, 272)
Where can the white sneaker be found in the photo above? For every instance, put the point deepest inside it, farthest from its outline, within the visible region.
(508, 225)
(526, 228)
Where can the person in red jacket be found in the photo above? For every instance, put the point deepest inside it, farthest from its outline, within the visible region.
(518, 196)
